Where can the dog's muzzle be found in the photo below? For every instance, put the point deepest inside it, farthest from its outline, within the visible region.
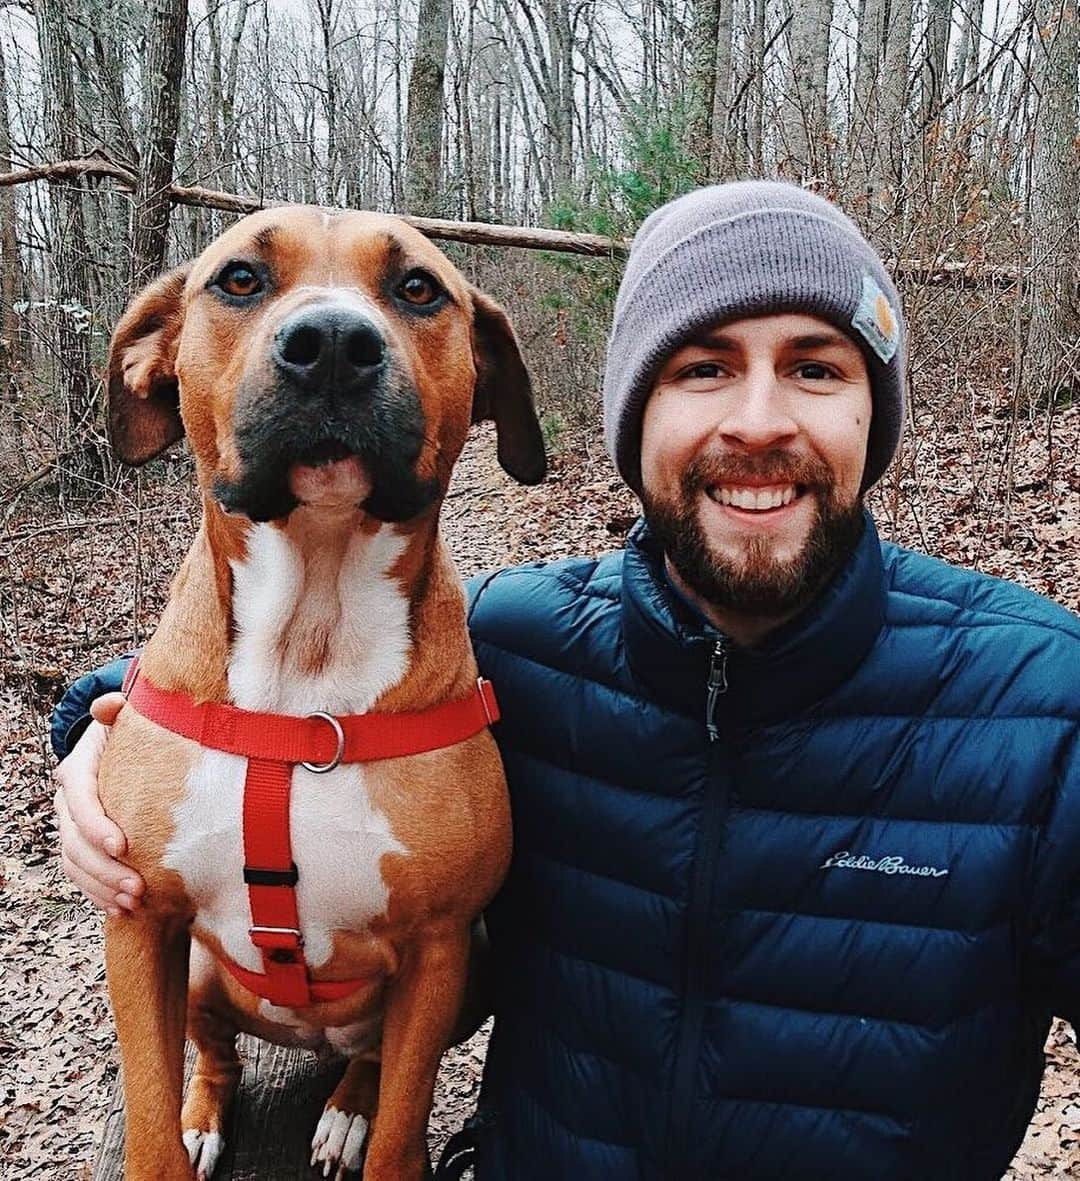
(336, 391)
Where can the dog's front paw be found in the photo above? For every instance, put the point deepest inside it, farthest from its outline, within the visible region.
(338, 1143)
(204, 1149)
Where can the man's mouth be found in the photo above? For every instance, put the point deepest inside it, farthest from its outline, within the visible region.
(758, 499)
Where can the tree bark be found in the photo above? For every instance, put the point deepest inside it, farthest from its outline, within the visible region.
(805, 115)
(722, 164)
(932, 74)
(162, 90)
(756, 119)
(424, 120)
(11, 275)
(70, 271)
(705, 37)
(891, 134)
(1054, 179)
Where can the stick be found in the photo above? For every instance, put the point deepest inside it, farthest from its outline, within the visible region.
(476, 233)
(473, 232)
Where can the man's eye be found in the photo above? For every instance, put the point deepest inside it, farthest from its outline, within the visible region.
(238, 279)
(704, 370)
(814, 371)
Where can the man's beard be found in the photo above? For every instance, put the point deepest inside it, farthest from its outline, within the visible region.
(756, 583)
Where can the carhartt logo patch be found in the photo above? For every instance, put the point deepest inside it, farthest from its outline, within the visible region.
(875, 321)
(888, 865)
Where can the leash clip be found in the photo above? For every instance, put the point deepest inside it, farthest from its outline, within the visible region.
(339, 733)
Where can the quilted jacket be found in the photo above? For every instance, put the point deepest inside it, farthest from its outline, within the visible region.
(802, 912)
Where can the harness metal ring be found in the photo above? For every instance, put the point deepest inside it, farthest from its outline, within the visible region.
(321, 768)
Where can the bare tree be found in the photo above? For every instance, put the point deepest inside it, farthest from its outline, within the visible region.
(70, 253)
(702, 103)
(805, 113)
(424, 123)
(723, 131)
(1053, 217)
(11, 280)
(164, 70)
(932, 69)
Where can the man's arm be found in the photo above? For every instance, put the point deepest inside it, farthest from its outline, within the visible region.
(90, 843)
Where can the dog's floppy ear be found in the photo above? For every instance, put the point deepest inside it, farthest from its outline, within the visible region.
(504, 393)
(144, 398)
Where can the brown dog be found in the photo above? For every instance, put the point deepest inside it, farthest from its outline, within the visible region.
(326, 368)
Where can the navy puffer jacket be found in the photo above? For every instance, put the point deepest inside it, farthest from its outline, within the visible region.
(826, 945)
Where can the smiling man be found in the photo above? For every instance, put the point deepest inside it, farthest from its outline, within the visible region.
(796, 881)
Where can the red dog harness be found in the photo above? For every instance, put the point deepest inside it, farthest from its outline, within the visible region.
(273, 744)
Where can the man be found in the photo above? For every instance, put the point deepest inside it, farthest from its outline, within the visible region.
(796, 886)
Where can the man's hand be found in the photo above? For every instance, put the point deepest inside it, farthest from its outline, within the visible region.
(90, 842)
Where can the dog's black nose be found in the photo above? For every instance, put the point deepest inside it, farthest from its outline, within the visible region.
(329, 347)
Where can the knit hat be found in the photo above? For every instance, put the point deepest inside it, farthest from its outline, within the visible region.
(749, 248)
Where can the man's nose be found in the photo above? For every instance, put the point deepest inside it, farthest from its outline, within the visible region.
(327, 347)
(758, 412)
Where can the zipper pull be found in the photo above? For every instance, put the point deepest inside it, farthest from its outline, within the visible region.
(717, 685)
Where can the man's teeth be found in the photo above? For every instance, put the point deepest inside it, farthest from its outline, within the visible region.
(754, 499)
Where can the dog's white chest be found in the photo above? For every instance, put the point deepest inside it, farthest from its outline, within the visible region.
(338, 836)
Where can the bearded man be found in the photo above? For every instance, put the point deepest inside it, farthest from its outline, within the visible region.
(796, 882)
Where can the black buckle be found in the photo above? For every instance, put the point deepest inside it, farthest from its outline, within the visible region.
(271, 877)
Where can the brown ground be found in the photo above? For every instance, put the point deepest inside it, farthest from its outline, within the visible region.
(79, 586)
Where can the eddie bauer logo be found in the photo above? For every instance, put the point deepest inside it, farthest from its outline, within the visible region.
(889, 865)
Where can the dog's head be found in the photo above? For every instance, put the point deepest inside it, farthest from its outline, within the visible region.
(320, 357)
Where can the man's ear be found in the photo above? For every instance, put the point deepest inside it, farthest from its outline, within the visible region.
(144, 397)
(504, 393)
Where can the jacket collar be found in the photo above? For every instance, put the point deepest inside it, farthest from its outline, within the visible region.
(670, 647)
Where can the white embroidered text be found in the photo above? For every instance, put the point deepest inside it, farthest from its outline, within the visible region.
(889, 865)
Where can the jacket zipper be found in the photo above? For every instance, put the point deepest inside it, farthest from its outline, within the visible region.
(717, 685)
(698, 922)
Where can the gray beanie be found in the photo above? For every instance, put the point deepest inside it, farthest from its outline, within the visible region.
(749, 248)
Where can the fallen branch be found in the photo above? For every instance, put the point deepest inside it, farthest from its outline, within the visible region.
(476, 233)
(473, 232)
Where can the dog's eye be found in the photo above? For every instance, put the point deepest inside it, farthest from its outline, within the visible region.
(419, 288)
(238, 279)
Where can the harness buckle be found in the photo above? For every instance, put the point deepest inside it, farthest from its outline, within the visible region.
(339, 734)
(276, 938)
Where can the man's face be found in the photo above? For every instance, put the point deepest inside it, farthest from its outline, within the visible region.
(752, 453)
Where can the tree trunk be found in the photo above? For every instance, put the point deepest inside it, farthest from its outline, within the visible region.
(932, 80)
(722, 163)
(70, 271)
(1053, 216)
(162, 89)
(756, 119)
(424, 120)
(862, 130)
(11, 276)
(325, 10)
(699, 128)
(805, 114)
(890, 133)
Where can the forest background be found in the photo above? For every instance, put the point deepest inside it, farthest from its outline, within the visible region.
(132, 133)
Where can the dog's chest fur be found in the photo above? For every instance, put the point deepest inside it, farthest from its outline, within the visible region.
(329, 631)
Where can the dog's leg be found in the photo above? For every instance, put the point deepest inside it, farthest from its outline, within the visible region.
(422, 1005)
(146, 961)
(338, 1143)
(213, 1084)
